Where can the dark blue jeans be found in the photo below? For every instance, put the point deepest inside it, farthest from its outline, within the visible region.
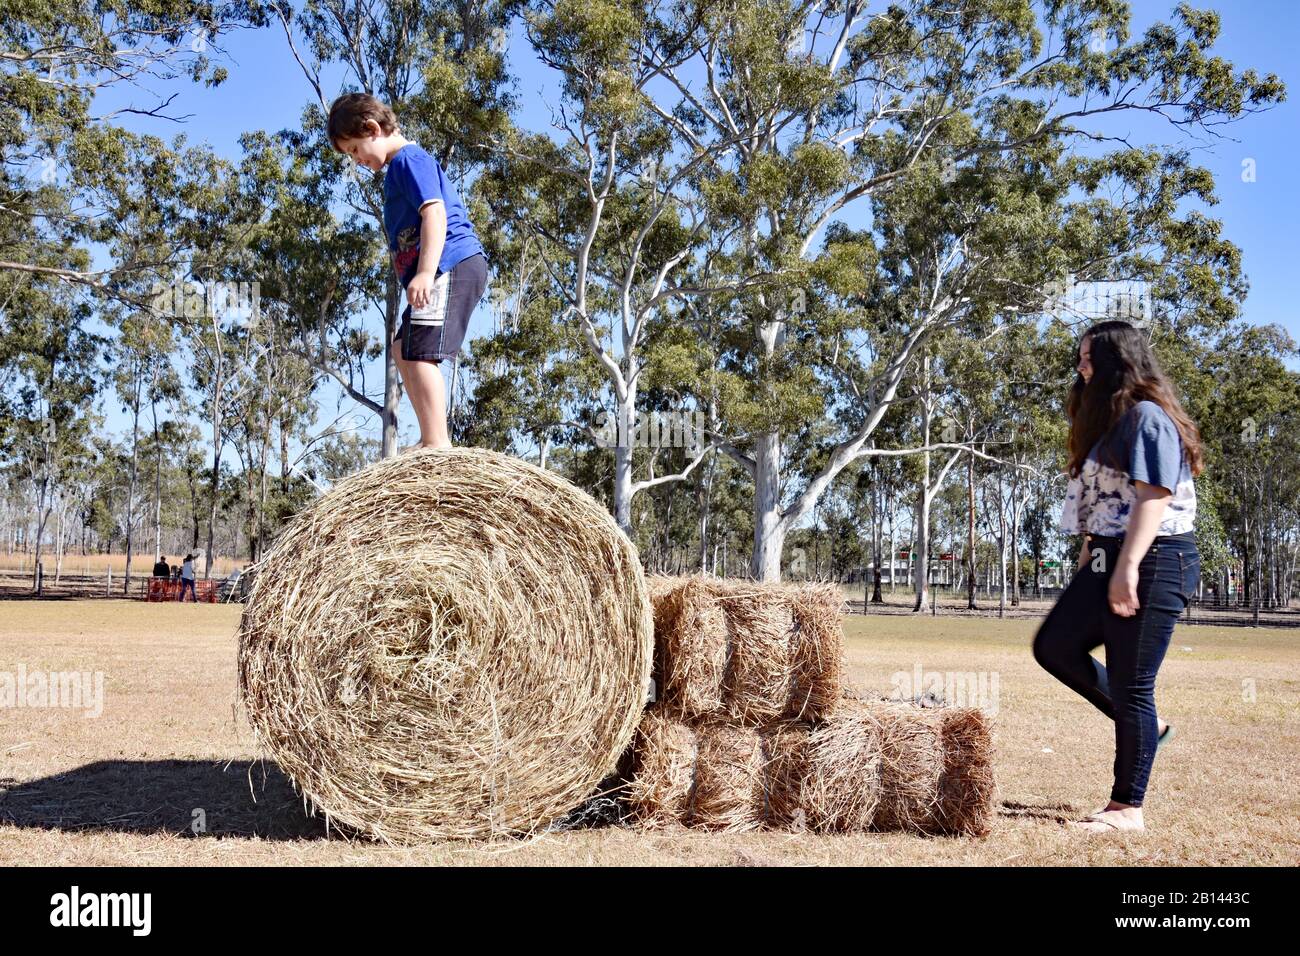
(1124, 689)
(188, 584)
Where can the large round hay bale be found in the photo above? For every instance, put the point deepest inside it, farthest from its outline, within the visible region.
(450, 644)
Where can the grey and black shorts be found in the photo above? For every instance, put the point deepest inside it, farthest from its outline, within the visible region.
(439, 332)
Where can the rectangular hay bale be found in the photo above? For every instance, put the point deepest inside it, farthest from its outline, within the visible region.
(747, 651)
(869, 765)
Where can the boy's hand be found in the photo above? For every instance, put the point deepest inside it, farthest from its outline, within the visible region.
(417, 290)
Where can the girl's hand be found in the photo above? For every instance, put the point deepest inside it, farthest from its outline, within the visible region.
(417, 290)
(1123, 590)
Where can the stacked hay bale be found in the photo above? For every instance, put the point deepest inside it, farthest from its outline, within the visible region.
(746, 652)
(751, 728)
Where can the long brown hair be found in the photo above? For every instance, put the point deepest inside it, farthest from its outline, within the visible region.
(1124, 372)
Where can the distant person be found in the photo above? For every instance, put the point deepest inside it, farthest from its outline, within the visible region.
(187, 579)
(176, 572)
(1133, 456)
(160, 568)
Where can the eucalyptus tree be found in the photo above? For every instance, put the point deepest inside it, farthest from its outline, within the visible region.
(140, 367)
(1248, 422)
(63, 181)
(829, 105)
(55, 382)
(608, 206)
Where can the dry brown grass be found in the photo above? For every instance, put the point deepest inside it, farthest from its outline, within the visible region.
(121, 789)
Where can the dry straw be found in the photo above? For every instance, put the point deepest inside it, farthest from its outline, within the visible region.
(869, 765)
(451, 644)
(911, 761)
(730, 779)
(935, 768)
(761, 629)
(816, 678)
(746, 651)
(787, 774)
(967, 788)
(715, 775)
(841, 790)
(692, 644)
(661, 786)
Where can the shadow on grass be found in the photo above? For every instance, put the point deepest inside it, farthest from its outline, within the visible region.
(192, 798)
(1060, 812)
(242, 798)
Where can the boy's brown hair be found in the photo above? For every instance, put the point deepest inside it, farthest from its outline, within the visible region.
(348, 115)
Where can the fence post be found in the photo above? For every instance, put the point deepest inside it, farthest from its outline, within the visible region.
(108, 585)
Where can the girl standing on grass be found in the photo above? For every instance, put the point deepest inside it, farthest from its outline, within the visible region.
(1133, 456)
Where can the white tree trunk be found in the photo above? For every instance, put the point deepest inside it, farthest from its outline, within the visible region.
(769, 528)
(388, 446)
(626, 432)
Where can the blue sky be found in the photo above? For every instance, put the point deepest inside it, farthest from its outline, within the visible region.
(267, 90)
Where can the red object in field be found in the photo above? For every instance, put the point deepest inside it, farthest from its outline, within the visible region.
(165, 589)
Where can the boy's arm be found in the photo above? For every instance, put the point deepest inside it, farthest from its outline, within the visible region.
(433, 236)
(415, 176)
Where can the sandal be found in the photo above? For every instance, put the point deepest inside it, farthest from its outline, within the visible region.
(1164, 737)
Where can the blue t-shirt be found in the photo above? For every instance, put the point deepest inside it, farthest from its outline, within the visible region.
(413, 178)
(1146, 442)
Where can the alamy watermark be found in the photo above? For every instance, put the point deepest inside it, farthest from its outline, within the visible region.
(192, 299)
(75, 908)
(948, 688)
(658, 429)
(1128, 299)
(75, 690)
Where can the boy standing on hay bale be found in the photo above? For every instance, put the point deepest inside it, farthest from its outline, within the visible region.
(435, 251)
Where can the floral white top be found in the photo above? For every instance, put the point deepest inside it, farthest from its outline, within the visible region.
(1100, 500)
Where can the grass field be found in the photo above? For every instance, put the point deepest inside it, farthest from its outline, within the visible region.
(123, 787)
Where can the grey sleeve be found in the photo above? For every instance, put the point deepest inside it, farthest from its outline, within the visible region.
(1156, 455)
